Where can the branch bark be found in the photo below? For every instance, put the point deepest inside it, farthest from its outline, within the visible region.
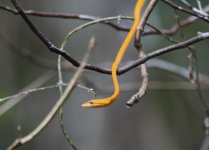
(122, 70)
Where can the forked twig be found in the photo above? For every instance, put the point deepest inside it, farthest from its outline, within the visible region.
(142, 90)
(64, 131)
(53, 111)
(121, 70)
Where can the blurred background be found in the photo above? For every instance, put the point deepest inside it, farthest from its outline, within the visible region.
(165, 118)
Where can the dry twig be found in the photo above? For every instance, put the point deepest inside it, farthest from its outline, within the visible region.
(22, 140)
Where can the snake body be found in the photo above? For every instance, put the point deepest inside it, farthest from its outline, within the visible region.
(103, 102)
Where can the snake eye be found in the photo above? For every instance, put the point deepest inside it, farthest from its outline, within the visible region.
(91, 102)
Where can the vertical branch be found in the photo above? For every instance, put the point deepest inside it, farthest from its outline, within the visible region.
(193, 60)
(145, 80)
(64, 131)
(144, 19)
(191, 50)
(142, 90)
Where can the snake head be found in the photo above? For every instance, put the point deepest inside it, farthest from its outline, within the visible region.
(96, 104)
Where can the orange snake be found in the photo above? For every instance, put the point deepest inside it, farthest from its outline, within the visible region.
(103, 102)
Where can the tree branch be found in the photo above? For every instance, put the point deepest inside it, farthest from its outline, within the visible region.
(22, 140)
(121, 70)
(180, 45)
(200, 16)
(63, 16)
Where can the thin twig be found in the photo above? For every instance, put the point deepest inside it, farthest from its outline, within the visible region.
(198, 11)
(199, 90)
(64, 131)
(144, 85)
(200, 16)
(15, 99)
(183, 23)
(170, 31)
(199, 5)
(176, 70)
(142, 90)
(184, 44)
(122, 70)
(66, 65)
(49, 45)
(166, 67)
(144, 19)
(191, 50)
(192, 56)
(42, 37)
(53, 111)
(26, 92)
(64, 16)
(161, 33)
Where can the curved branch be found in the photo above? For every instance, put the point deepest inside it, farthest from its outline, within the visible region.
(186, 43)
(170, 31)
(200, 16)
(63, 16)
(22, 140)
(121, 70)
